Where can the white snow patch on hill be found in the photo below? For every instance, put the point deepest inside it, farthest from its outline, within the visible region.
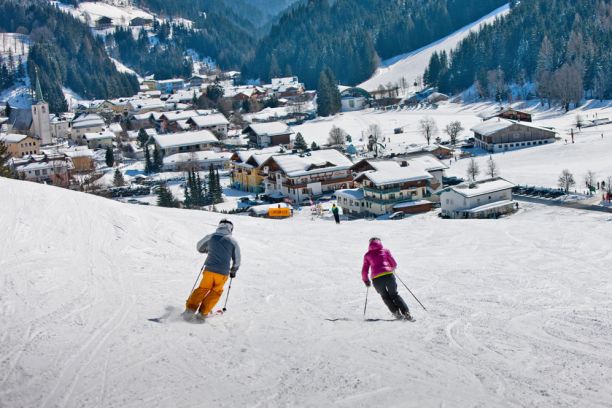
(413, 64)
(519, 310)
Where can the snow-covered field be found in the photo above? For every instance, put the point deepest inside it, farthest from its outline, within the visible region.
(536, 165)
(519, 310)
(413, 64)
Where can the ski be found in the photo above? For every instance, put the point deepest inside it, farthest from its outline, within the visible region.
(346, 319)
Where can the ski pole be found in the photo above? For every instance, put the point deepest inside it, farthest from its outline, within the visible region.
(227, 296)
(366, 301)
(400, 279)
(196, 280)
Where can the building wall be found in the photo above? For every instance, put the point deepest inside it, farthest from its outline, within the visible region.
(77, 133)
(27, 146)
(41, 122)
(453, 203)
(514, 137)
(60, 129)
(83, 163)
(99, 143)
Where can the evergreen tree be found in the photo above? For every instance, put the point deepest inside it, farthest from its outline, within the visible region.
(300, 143)
(148, 164)
(314, 146)
(5, 156)
(109, 157)
(118, 180)
(324, 103)
(218, 189)
(158, 160)
(7, 109)
(335, 103)
(165, 197)
(143, 138)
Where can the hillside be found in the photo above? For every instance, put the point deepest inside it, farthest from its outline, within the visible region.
(410, 66)
(352, 37)
(519, 310)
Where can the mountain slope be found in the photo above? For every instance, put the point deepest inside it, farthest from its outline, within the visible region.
(512, 321)
(412, 65)
(350, 37)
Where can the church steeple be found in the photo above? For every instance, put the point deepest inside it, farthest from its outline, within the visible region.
(38, 92)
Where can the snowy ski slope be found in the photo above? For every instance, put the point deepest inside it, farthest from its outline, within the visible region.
(413, 64)
(519, 310)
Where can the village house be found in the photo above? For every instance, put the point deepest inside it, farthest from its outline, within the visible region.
(287, 87)
(215, 123)
(168, 121)
(512, 114)
(197, 80)
(60, 127)
(247, 173)
(499, 135)
(21, 145)
(199, 161)
(307, 175)
(141, 121)
(387, 186)
(82, 158)
(193, 141)
(170, 85)
(482, 199)
(99, 140)
(87, 123)
(434, 167)
(54, 169)
(139, 106)
(353, 98)
(268, 134)
(437, 150)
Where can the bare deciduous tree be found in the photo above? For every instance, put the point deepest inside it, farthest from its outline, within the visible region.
(473, 170)
(589, 180)
(452, 130)
(566, 180)
(428, 128)
(374, 136)
(492, 168)
(337, 136)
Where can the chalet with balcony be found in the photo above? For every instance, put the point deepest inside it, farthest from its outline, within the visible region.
(300, 176)
(387, 186)
(216, 123)
(247, 173)
(268, 134)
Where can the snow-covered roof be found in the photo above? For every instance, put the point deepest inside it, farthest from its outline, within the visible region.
(269, 129)
(180, 115)
(428, 162)
(392, 172)
(209, 120)
(79, 152)
(88, 120)
(182, 124)
(482, 187)
(491, 206)
(149, 103)
(354, 193)
(13, 137)
(295, 165)
(115, 128)
(259, 154)
(203, 156)
(105, 134)
(495, 125)
(185, 139)
(407, 204)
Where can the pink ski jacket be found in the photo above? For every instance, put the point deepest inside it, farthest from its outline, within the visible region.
(379, 259)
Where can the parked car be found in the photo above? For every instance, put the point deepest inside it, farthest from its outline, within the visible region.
(398, 215)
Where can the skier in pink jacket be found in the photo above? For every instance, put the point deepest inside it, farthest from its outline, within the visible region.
(380, 262)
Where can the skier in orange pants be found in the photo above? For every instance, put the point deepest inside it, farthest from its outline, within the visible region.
(222, 249)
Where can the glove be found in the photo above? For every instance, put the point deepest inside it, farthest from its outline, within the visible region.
(233, 272)
(367, 283)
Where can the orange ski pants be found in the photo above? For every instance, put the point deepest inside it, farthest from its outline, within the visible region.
(206, 296)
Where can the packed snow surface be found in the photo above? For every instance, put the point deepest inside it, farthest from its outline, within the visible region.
(413, 64)
(519, 310)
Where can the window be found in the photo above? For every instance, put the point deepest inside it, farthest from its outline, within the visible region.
(37, 172)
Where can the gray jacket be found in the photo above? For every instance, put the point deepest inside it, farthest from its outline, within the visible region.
(221, 248)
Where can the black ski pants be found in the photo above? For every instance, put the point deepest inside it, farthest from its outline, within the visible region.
(386, 286)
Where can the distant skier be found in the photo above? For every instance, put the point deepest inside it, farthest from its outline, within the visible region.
(222, 249)
(382, 265)
(336, 213)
